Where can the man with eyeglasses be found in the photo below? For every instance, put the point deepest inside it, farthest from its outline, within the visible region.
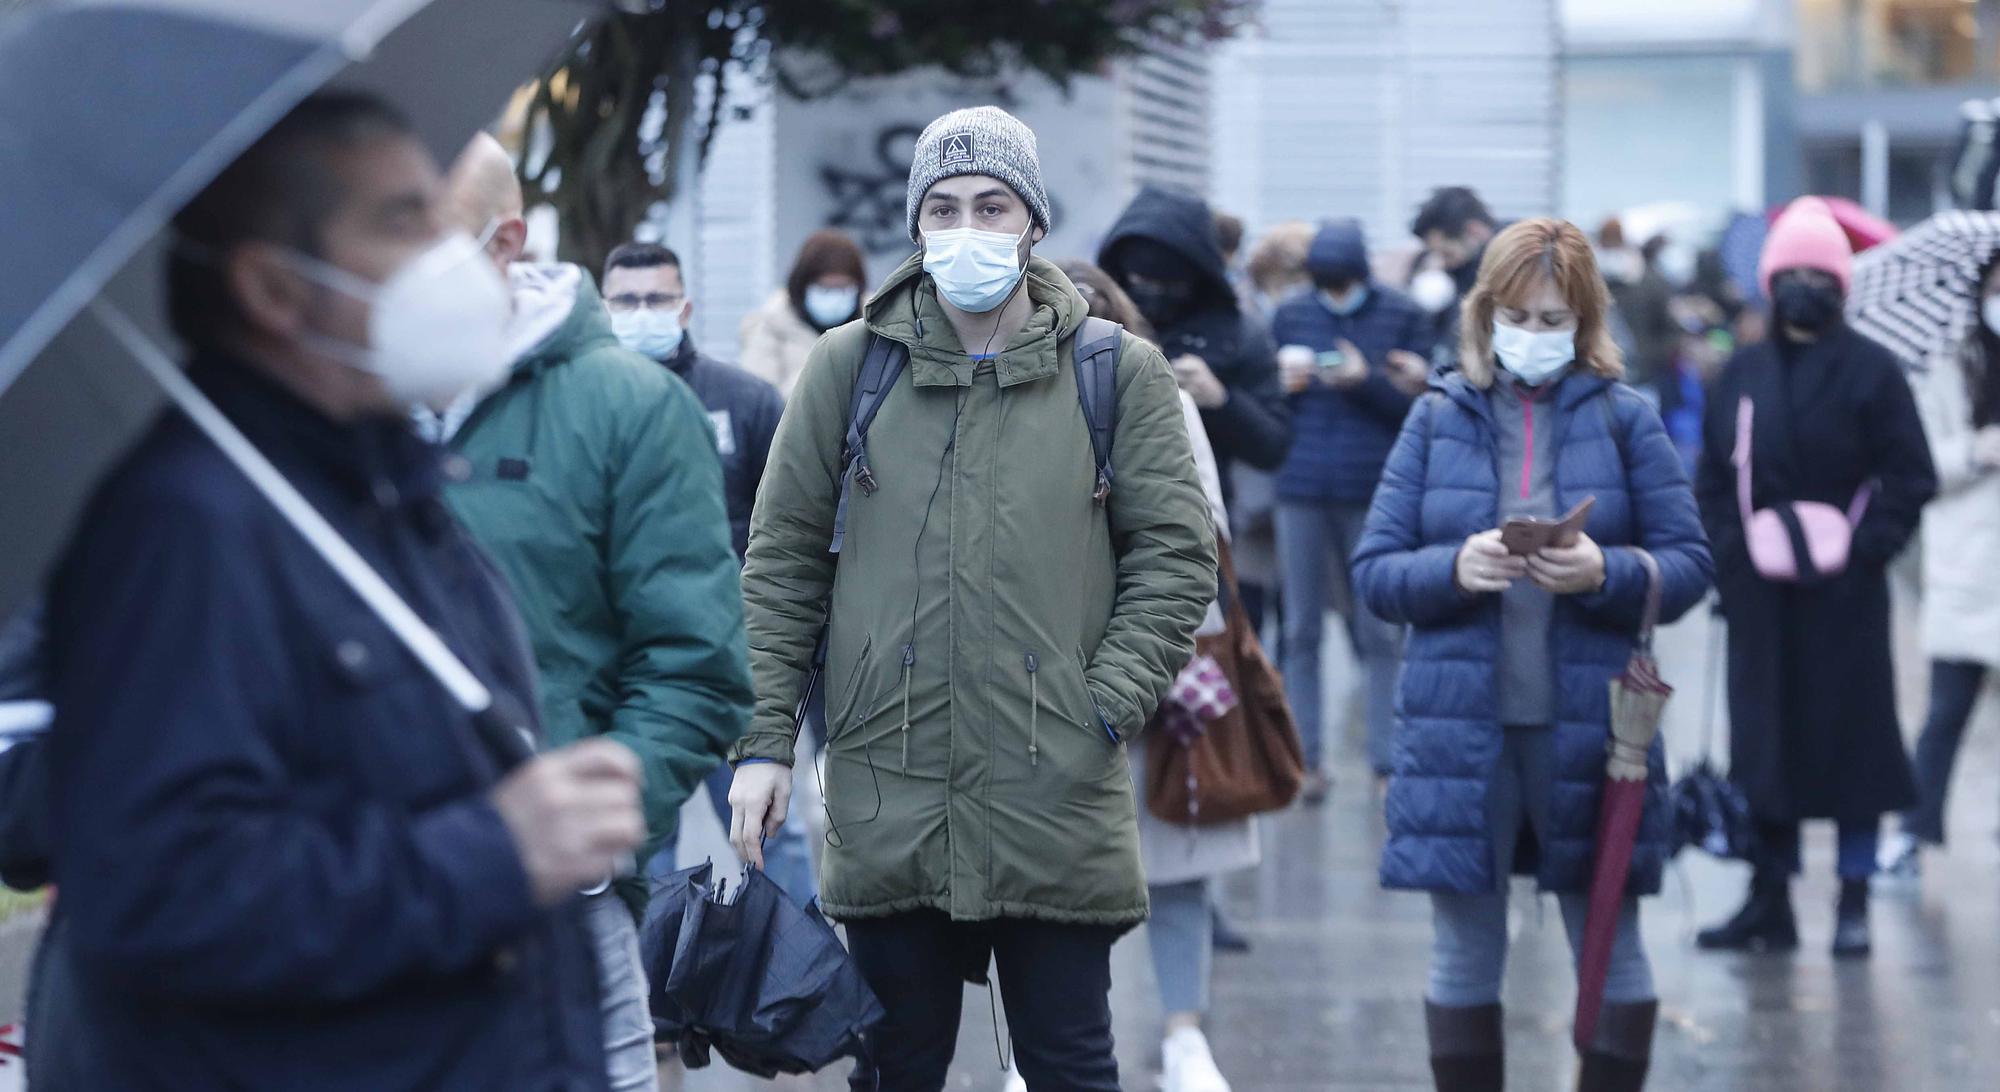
(590, 475)
(647, 293)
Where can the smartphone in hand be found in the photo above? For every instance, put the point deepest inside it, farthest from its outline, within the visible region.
(1525, 536)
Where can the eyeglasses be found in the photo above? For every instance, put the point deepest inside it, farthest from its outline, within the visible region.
(626, 302)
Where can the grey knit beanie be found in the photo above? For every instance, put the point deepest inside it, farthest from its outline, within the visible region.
(982, 140)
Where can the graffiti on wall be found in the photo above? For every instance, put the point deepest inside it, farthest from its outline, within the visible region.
(867, 200)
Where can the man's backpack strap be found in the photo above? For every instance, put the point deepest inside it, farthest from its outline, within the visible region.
(1096, 348)
(880, 368)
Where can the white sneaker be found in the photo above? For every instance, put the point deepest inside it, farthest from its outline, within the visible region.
(1899, 864)
(1015, 1082)
(1189, 1065)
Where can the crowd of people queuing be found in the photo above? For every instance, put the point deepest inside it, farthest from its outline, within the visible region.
(280, 850)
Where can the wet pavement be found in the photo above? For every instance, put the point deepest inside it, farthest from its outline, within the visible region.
(1331, 997)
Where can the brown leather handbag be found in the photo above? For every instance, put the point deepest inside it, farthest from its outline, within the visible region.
(1250, 759)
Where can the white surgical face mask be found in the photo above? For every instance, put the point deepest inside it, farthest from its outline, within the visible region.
(1433, 289)
(829, 307)
(1534, 358)
(1989, 312)
(975, 270)
(436, 327)
(649, 332)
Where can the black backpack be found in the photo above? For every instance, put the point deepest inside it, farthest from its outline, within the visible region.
(1095, 349)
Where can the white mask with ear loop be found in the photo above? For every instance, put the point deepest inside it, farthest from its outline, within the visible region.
(436, 327)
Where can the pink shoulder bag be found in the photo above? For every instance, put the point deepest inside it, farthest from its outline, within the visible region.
(1775, 536)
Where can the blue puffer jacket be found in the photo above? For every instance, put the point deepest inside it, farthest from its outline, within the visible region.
(1341, 437)
(1441, 485)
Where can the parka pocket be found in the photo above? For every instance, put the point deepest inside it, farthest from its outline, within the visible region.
(840, 707)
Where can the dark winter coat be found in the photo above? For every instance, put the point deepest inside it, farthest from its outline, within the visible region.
(1341, 437)
(1812, 698)
(595, 488)
(1254, 425)
(1441, 485)
(745, 412)
(23, 781)
(278, 860)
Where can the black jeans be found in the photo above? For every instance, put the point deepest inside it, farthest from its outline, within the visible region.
(1055, 981)
(1954, 691)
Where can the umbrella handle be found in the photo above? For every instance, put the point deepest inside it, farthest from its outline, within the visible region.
(414, 634)
(1655, 591)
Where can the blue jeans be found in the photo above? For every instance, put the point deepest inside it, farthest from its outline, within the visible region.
(622, 992)
(787, 857)
(1315, 543)
(1181, 933)
(1469, 932)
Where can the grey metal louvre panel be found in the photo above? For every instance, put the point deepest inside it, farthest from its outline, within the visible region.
(738, 267)
(1362, 107)
(1165, 104)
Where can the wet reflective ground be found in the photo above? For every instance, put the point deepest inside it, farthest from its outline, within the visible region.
(1331, 997)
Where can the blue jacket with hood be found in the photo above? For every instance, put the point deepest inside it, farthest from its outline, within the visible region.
(1342, 437)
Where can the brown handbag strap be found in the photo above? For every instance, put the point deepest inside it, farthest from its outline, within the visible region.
(1225, 586)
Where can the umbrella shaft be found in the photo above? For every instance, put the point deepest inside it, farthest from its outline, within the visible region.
(422, 641)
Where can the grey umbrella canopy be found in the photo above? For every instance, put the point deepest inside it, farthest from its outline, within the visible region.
(119, 112)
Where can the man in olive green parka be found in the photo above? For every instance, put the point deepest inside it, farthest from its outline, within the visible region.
(996, 634)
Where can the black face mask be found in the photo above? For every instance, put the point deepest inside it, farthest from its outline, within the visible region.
(1805, 305)
(1162, 303)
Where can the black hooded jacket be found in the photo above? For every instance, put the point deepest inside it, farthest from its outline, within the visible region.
(1254, 425)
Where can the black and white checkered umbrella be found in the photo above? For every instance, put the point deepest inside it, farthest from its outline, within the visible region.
(1918, 294)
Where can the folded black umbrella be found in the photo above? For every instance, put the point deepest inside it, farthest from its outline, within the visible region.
(751, 975)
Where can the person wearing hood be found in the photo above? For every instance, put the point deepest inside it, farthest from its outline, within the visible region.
(823, 291)
(590, 474)
(1346, 416)
(1163, 252)
(996, 628)
(1504, 702)
(1817, 413)
(650, 310)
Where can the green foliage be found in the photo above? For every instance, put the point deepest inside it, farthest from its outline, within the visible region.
(611, 154)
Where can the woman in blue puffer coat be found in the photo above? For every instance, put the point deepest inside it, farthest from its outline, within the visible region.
(1503, 710)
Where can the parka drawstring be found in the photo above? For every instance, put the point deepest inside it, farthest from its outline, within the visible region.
(909, 661)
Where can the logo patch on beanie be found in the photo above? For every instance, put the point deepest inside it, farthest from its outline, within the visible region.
(957, 152)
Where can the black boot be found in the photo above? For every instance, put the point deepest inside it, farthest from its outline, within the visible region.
(1764, 924)
(1620, 1049)
(1850, 923)
(1468, 1050)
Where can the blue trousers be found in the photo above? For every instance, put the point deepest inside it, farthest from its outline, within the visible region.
(1469, 932)
(1315, 543)
(1181, 933)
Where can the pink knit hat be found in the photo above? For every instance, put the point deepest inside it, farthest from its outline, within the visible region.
(1806, 236)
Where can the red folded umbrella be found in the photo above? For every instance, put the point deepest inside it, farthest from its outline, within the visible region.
(1638, 698)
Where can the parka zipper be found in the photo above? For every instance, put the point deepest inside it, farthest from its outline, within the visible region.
(1034, 709)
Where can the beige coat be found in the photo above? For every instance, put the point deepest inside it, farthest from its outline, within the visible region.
(1961, 534)
(775, 343)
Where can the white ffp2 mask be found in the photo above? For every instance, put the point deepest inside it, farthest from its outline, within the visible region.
(436, 327)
